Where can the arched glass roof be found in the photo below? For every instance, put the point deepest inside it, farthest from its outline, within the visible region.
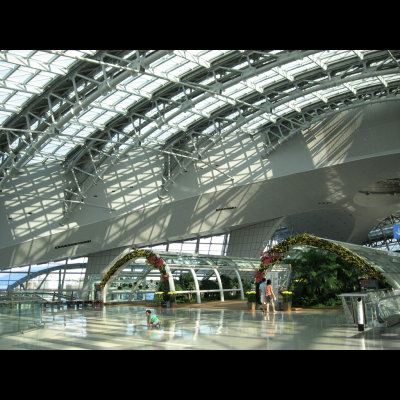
(82, 108)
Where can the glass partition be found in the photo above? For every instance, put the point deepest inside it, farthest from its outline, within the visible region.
(136, 282)
(388, 309)
(19, 316)
(386, 262)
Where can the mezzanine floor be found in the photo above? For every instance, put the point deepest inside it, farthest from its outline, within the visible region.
(124, 328)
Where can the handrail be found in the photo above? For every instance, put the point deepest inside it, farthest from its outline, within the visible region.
(380, 318)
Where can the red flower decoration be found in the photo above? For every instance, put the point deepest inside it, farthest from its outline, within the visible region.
(259, 275)
(152, 258)
(266, 260)
(159, 262)
(164, 277)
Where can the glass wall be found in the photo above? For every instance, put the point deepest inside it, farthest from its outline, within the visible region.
(64, 277)
(137, 282)
(216, 245)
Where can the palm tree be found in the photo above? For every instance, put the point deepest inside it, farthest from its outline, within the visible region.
(319, 275)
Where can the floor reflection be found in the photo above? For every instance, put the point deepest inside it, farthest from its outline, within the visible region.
(125, 328)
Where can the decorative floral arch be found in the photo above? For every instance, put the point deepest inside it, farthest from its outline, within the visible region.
(279, 252)
(151, 258)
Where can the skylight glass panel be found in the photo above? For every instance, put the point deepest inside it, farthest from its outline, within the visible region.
(112, 99)
(50, 147)
(5, 69)
(89, 115)
(211, 105)
(332, 56)
(127, 102)
(161, 135)
(266, 79)
(18, 99)
(63, 62)
(332, 92)
(102, 119)
(359, 84)
(5, 94)
(306, 100)
(21, 75)
(164, 63)
(42, 56)
(76, 129)
(190, 118)
(237, 90)
(392, 78)
(213, 54)
(283, 109)
(183, 69)
(299, 66)
(41, 79)
(140, 82)
(4, 115)
(253, 125)
(154, 85)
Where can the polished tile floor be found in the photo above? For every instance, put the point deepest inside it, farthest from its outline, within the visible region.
(124, 328)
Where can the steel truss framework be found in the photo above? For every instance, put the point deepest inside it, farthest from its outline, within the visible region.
(381, 236)
(88, 109)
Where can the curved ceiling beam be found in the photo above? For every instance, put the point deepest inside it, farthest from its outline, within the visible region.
(40, 110)
(200, 93)
(293, 125)
(105, 87)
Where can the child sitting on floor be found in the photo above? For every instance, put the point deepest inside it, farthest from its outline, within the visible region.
(152, 320)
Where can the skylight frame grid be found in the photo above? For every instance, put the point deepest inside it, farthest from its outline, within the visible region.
(177, 65)
(238, 90)
(298, 67)
(330, 57)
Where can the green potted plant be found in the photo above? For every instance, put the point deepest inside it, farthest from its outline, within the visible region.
(251, 300)
(287, 300)
(158, 299)
(172, 299)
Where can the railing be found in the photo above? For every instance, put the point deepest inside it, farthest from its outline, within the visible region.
(19, 316)
(388, 310)
(370, 301)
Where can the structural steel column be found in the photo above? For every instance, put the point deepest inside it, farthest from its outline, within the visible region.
(196, 284)
(221, 291)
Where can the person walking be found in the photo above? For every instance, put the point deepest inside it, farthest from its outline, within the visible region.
(270, 296)
(262, 290)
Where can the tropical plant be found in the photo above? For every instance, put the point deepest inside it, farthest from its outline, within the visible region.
(319, 275)
(348, 256)
(207, 284)
(186, 282)
(172, 296)
(159, 297)
(287, 296)
(251, 296)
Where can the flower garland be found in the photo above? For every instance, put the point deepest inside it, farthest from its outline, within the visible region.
(281, 249)
(151, 258)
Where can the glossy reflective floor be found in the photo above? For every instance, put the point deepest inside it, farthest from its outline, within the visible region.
(124, 328)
